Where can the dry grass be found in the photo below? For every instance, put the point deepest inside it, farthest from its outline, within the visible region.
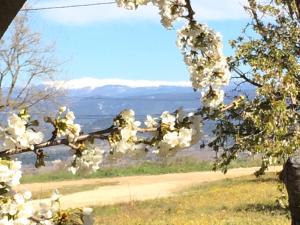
(45, 192)
(242, 201)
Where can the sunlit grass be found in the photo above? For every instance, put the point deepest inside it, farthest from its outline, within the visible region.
(242, 201)
(69, 189)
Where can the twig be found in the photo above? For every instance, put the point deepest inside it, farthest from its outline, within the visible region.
(191, 12)
(64, 141)
(102, 134)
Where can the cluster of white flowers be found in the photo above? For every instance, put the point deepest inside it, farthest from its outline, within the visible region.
(131, 4)
(14, 207)
(181, 138)
(169, 10)
(10, 173)
(212, 97)
(200, 45)
(16, 210)
(48, 210)
(179, 131)
(125, 139)
(202, 50)
(89, 160)
(18, 135)
(150, 122)
(169, 132)
(65, 126)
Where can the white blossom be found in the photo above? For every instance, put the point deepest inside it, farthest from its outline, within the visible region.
(65, 125)
(16, 125)
(15, 206)
(87, 211)
(73, 170)
(171, 138)
(19, 198)
(127, 132)
(62, 109)
(89, 161)
(202, 49)
(213, 97)
(17, 135)
(200, 45)
(150, 122)
(55, 196)
(70, 116)
(123, 146)
(10, 173)
(168, 119)
(27, 195)
(185, 137)
(6, 221)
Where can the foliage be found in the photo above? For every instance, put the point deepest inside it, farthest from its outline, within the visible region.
(268, 123)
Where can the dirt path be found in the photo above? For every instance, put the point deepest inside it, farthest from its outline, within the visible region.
(126, 189)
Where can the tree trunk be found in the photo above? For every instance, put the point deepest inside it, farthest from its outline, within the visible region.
(8, 11)
(291, 178)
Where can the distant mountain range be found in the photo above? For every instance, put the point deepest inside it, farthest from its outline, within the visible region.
(96, 102)
(100, 105)
(92, 83)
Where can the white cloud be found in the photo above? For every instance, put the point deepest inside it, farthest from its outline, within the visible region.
(220, 9)
(205, 10)
(92, 83)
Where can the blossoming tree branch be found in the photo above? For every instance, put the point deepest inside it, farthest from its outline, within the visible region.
(240, 125)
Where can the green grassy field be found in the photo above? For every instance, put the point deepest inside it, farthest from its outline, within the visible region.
(151, 168)
(242, 201)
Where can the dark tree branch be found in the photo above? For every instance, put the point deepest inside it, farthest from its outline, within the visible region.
(191, 12)
(102, 134)
(64, 141)
(243, 76)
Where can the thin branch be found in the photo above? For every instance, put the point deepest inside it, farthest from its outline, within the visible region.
(102, 134)
(191, 12)
(243, 76)
(64, 141)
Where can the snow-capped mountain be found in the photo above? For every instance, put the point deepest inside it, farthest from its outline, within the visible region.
(97, 101)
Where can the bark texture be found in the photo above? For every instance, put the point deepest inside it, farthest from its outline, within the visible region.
(291, 177)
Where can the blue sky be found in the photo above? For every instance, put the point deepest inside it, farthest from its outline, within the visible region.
(107, 42)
